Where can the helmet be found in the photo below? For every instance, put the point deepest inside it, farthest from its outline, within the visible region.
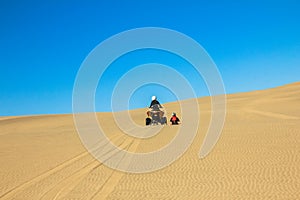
(173, 114)
(153, 98)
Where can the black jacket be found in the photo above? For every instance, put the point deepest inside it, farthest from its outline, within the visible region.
(154, 102)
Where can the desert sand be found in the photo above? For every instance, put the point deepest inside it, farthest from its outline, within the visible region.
(256, 157)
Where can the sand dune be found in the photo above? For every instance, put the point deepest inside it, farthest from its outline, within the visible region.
(257, 156)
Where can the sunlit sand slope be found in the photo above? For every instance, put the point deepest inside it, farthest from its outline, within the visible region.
(256, 157)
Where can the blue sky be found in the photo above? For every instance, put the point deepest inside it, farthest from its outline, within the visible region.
(255, 44)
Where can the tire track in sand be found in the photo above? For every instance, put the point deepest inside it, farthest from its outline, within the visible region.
(62, 188)
(95, 181)
(115, 177)
(48, 173)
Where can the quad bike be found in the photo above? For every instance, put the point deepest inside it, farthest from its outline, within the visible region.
(156, 116)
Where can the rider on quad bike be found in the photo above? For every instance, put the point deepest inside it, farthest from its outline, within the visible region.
(154, 102)
(155, 112)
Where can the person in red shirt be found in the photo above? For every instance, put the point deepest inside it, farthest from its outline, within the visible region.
(174, 119)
